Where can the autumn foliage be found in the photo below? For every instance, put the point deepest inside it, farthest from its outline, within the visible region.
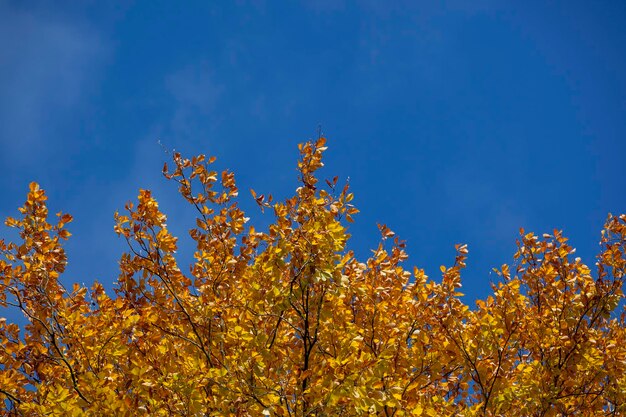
(287, 322)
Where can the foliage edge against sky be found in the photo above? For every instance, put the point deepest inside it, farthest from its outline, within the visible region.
(288, 322)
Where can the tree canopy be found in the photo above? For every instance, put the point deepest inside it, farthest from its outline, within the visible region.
(287, 322)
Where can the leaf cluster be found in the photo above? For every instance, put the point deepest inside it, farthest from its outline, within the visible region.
(288, 322)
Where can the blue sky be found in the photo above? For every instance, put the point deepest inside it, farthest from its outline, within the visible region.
(456, 121)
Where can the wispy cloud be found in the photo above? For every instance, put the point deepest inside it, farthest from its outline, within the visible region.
(191, 95)
(195, 94)
(46, 65)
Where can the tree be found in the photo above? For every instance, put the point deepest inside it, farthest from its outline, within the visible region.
(288, 322)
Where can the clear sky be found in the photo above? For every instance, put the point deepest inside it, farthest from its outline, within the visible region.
(456, 121)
